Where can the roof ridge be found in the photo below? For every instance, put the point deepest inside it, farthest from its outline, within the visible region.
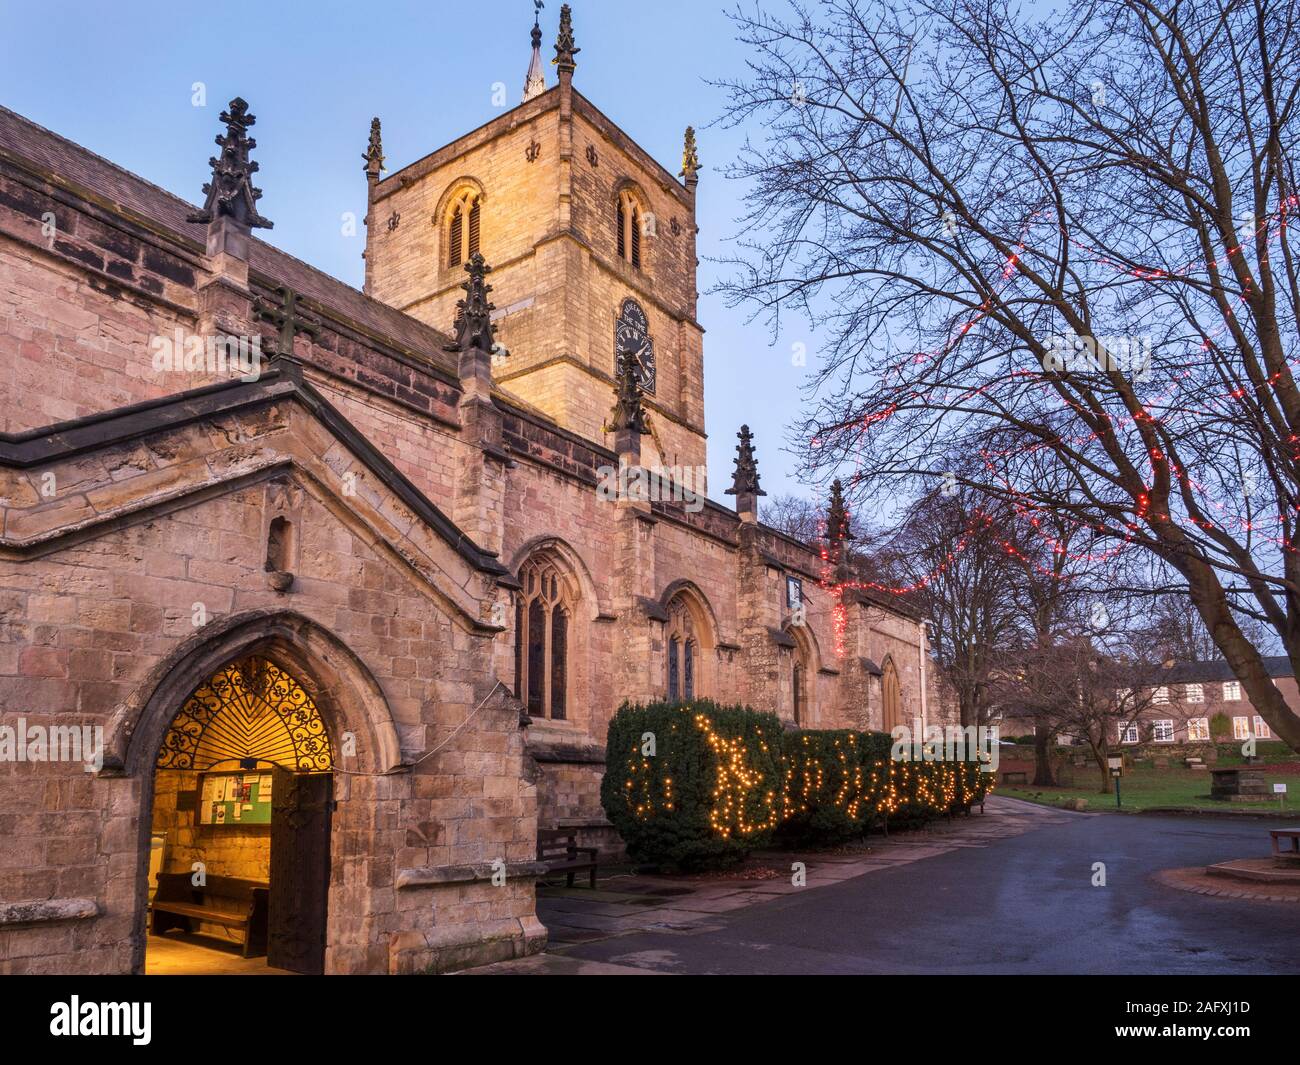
(179, 226)
(103, 159)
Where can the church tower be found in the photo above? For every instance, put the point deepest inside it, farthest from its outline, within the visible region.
(592, 249)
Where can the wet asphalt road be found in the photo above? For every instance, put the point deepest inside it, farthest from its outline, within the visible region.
(1020, 905)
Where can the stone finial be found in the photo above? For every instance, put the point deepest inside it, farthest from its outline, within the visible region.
(744, 481)
(230, 193)
(565, 49)
(374, 156)
(474, 329)
(837, 524)
(690, 160)
(535, 80)
(628, 413)
(837, 517)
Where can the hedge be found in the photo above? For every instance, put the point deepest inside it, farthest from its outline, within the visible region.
(709, 792)
(696, 783)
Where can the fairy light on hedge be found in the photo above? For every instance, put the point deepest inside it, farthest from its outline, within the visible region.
(722, 770)
(734, 782)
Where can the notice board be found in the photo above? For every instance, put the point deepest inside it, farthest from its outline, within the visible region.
(235, 798)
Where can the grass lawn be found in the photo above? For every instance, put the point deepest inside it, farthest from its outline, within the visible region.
(1145, 788)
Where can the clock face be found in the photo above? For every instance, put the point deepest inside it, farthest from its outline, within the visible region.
(632, 340)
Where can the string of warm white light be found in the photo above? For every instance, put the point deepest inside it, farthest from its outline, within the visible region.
(746, 802)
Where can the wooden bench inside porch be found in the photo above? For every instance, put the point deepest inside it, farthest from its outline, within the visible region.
(224, 900)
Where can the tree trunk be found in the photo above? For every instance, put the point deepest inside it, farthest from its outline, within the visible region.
(1243, 657)
(1101, 755)
(1044, 776)
(967, 707)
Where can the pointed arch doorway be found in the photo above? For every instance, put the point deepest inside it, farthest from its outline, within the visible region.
(242, 803)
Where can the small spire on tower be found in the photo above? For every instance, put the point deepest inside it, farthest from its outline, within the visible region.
(690, 159)
(564, 46)
(374, 156)
(231, 192)
(744, 481)
(535, 81)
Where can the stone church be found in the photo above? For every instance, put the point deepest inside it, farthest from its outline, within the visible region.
(315, 603)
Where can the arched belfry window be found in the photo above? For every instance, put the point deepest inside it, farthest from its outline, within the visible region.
(629, 224)
(683, 643)
(891, 698)
(463, 224)
(543, 616)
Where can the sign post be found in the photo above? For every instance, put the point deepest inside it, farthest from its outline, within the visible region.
(1116, 763)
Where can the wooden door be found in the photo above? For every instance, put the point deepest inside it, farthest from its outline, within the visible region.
(300, 870)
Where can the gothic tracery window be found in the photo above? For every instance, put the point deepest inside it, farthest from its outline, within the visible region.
(683, 651)
(542, 618)
(463, 222)
(891, 698)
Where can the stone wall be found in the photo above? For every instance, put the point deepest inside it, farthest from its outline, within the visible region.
(105, 619)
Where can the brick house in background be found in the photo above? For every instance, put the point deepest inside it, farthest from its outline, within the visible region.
(1181, 710)
(386, 561)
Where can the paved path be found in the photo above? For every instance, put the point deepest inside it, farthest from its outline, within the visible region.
(1011, 892)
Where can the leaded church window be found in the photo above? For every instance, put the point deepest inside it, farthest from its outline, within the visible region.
(542, 615)
(891, 698)
(683, 649)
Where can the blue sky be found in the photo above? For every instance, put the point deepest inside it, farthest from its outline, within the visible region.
(118, 79)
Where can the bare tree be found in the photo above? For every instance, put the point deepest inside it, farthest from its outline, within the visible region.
(795, 516)
(1177, 631)
(1058, 239)
(1074, 686)
(951, 560)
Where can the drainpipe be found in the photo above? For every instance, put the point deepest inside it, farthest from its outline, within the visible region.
(921, 644)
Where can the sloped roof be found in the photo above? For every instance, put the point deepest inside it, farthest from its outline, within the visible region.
(1184, 672)
(78, 168)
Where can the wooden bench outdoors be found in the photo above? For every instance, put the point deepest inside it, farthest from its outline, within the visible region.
(558, 850)
(1281, 855)
(223, 900)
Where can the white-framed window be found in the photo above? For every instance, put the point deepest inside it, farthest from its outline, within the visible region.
(1262, 730)
(1231, 691)
(1160, 696)
(1162, 731)
(1198, 728)
(1240, 728)
(1194, 693)
(1123, 696)
(1128, 734)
